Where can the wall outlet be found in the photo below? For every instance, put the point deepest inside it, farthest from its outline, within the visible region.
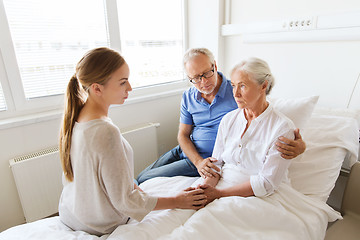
(299, 24)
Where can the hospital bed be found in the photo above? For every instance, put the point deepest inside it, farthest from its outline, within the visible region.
(297, 212)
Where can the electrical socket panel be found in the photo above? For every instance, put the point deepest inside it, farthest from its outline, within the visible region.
(299, 24)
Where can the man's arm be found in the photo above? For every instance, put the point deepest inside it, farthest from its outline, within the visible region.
(291, 148)
(203, 165)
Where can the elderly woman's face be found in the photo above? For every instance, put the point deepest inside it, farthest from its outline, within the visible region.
(247, 93)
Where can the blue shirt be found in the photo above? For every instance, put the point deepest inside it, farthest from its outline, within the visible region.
(206, 117)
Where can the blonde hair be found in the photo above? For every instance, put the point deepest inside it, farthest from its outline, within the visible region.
(96, 66)
(258, 70)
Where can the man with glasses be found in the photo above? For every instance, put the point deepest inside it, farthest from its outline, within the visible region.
(202, 108)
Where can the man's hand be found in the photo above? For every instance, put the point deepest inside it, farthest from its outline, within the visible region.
(291, 148)
(206, 166)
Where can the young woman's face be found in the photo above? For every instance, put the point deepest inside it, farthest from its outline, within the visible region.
(247, 93)
(117, 89)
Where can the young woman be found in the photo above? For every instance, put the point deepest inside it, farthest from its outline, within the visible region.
(99, 193)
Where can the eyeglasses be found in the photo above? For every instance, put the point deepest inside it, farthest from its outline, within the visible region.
(207, 74)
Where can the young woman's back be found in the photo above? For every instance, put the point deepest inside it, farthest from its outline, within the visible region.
(102, 196)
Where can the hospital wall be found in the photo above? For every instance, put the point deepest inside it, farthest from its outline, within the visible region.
(327, 68)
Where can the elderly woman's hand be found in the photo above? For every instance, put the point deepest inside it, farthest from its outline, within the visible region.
(291, 148)
(210, 192)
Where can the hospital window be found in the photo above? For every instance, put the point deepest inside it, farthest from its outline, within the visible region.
(49, 38)
(152, 40)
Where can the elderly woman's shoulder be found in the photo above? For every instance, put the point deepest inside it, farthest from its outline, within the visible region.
(231, 115)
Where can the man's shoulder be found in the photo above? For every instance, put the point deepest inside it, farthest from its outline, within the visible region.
(190, 94)
(222, 76)
(190, 90)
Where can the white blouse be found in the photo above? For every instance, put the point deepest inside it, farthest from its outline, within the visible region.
(253, 157)
(102, 194)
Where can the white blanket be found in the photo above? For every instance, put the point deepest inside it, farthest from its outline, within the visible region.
(286, 214)
(46, 229)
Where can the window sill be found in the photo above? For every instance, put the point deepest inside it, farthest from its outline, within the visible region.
(30, 119)
(137, 96)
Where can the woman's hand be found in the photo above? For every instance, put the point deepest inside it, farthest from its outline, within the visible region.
(206, 167)
(291, 148)
(191, 198)
(211, 193)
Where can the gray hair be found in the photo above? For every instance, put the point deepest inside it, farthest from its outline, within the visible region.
(258, 70)
(194, 52)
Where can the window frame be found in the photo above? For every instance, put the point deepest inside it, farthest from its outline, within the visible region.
(10, 79)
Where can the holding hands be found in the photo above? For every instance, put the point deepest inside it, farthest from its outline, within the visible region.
(206, 167)
(191, 198)
(208, 170)
(211, 192)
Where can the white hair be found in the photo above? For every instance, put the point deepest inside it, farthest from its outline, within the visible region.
(194, 52)
(258, 70)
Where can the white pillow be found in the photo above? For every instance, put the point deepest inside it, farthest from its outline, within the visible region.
(328, 140)
(299, 110)
(341, 112)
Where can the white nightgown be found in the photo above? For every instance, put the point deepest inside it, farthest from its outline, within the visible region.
(253, 157)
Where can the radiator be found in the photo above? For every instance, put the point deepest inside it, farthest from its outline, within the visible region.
(38, 175)
(38, 181)
(143, 140)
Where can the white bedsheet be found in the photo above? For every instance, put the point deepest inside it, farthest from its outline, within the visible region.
(287, 214)
(46, 229)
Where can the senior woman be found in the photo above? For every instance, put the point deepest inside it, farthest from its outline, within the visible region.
(245, 144)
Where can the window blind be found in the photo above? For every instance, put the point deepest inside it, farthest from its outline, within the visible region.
(152, 40)
(50, 37)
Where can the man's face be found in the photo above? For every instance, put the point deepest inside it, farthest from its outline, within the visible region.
(198, 68)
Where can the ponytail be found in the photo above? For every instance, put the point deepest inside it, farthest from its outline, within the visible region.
(75, 98)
